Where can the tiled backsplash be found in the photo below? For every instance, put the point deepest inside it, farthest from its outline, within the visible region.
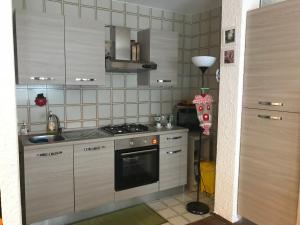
(121, 100)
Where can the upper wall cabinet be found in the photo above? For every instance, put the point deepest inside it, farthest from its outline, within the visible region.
(85, 52)
(160, 47)
(40, 49)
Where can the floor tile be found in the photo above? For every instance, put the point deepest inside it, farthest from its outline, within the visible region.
(167, 213)
(166, 224)
(178, 220)
(192, 217)
(183, 198)
(180, 209)
(157, 205)
(170, 202)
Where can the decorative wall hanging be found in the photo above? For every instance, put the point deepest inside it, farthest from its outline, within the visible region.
(40, 100)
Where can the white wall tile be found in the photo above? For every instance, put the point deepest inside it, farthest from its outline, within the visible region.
(166, 95)
(204, 27)
(155, 108)
(167, 26)
(104, 96)
(144, 23)
(73, 96)
(88, 13)
(38, 128)
(88, 2)
(89, 112)
(89, 124)
(118, 6)
(118, 81)
(144, 95)
(104, 3)
(59, 111)
(89, 96)
(131, 8)
(118, 121)
(55, 96)
(38, 114)
(71, 125)
(118, 110)
(118, 95)
(71, 10)
(156, 12)
(21, 96)
(168, 15)
(117, 19)
(177, 95)
(166, 108)
(34, 5)
(131, 110)
(204, 41)
(144, 109)
(104, 111)
(155, 95)
(144, 10)
(53, 8)
(131, 81)
(156, 24)
(131, 21)
(104, 123)
(132, 120)
(131, 95)
(73, 113)
(144, 119)
(22, 115)
(104, 16)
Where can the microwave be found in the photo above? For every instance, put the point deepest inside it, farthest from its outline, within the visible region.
(187, 117)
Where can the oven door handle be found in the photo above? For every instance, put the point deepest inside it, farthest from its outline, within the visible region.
(138, 152)
(174, 152)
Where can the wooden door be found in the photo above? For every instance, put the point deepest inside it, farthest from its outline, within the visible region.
(39, 48)
(269, 167)
(272, 67)
(93, 174)
(85, 51)
(48, 182)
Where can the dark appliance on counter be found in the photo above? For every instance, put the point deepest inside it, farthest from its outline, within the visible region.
(136, 162)
(187, 117)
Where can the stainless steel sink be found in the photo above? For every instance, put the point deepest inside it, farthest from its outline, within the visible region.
(46, 138)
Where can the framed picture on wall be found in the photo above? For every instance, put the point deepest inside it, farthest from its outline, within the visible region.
(229, 56)
(229, 36)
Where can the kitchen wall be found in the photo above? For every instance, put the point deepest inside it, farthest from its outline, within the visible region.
(121, 100)
(269, 2)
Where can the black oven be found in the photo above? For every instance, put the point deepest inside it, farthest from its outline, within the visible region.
(136, 162)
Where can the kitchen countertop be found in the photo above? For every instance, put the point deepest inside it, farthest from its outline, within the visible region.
(83, 136)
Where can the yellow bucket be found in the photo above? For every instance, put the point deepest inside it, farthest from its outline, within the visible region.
(208, 174)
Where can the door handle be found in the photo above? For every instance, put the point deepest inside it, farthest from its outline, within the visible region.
(174, 152)
(271, 103)
(41, 78)
(270, 117)
(49, 154)
(85, 79)
(174, 138)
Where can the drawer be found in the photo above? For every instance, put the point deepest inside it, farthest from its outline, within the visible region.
(169, 140)
(95, 146)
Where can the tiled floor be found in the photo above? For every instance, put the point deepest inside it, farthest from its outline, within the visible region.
(173, 208)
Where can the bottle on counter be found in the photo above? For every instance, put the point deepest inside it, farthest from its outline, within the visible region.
(53, 124)
(24, 129)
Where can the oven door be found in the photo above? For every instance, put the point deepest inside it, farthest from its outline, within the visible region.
(136, 167)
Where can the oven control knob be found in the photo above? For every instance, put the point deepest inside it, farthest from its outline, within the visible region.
(131, 143)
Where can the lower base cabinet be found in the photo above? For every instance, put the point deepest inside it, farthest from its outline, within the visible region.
(48, 176)
(93, 175)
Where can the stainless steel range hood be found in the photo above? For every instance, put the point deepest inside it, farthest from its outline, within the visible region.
(119, 58)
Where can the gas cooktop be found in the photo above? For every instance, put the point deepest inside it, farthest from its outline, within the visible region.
(125, 128)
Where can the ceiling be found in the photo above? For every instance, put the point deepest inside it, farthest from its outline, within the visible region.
(182, 6)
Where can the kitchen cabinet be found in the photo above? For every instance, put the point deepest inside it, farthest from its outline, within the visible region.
(270, 157)
(160, 47)
(272, 66)
(39, 42)
(85, 51)
(48, 173)
(173, 160)
(93, 174)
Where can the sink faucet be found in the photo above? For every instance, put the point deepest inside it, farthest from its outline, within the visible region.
(53, 124)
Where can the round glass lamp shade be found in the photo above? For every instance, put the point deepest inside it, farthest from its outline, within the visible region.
(203, 61)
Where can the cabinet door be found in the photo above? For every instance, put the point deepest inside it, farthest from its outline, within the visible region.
(40, 49)
(85, 51)
(269, 167)
(93, 174)
(272, 68)
(164, 52)
(48, 182)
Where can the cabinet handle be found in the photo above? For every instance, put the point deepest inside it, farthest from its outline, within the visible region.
(93, 148)
(164, 81)
(270, 117)
(174, 138)
(271, 103)
(41, 78)
(174, 152)
(85, 79)
(49, 154)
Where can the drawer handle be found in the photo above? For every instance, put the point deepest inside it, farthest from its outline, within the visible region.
(85, 79)
(49, 154)
(173, 152)
(41, 78)
(271, 103)
(93, 148)
(270, 117)
(164, 81)
(174, 138)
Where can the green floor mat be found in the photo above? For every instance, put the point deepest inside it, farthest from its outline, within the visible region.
(135, 215)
